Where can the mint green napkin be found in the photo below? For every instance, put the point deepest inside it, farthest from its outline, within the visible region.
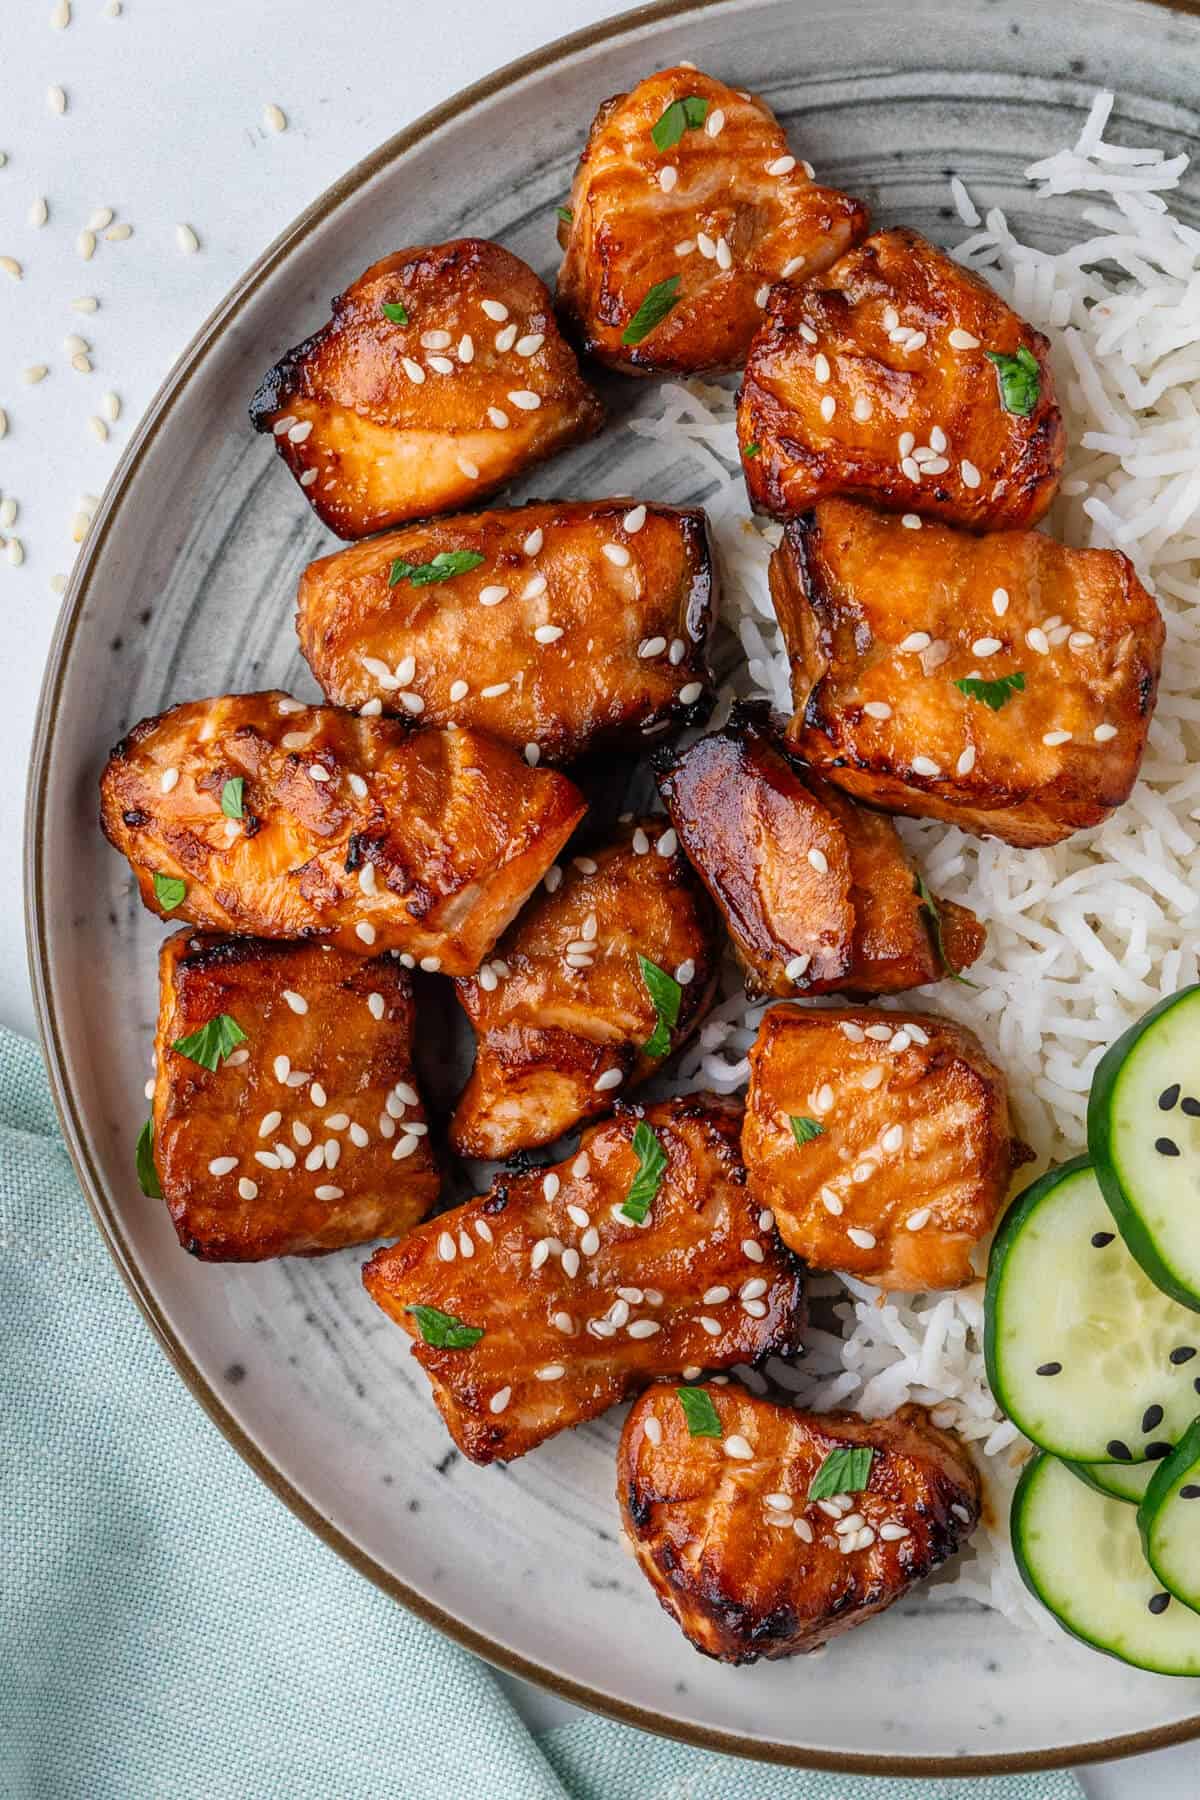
(168, 1631)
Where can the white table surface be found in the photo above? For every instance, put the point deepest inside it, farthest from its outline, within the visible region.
(164, 124)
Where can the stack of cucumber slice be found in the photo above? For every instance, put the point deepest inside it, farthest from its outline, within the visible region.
(1093, 1350)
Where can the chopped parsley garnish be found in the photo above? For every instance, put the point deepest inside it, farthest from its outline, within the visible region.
(751, 451)
(445, 565)
(683, 115)
(212, 1043)
(565, 214)
(703, 1419)
(143, 1158)
(805, 1130)
(843, 1472)
(396, 311)
(666, 994)
(1019, 379)
(231, 798)
(930, 907)
(652, 1163)
(653, 310)
(169, 891)
(443, 1330)
(992, 693)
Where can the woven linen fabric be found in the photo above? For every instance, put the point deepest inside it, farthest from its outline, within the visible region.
(168, 1631)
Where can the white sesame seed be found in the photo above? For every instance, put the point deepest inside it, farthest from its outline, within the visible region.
(644, 1328)
(495, 309)
(222, 1165)
(611, 1078)
(168, 779)
(653, 646)
(297, 1002)
(831, 1509)
(705, 245)
(892, 1532)
(710, 1325)
(640, 842)
(752, 1249)
(1103, 733)
(818, 861)
(966, 761)
(1079, 640)
(446, 1248)
(269, 1123)
(937, 439)
(530, 344)
(685, 246)
(359, 1136)
(526, 401)
(412, 369)
(667, 177)
(850, 1029)
(405, 1146)
(690, 693)
(500, 1399)
(301, 1133)
(782, 165)
(498, 418)
(187, 240)
(274, 118)
(797, 966)
(862, 407)
(864, 1239)
(762, 295)
(505, 338)
(911, 521)
(589, 1243)
(116, 234)
(268, 1159)
(329, 1193)
(98, 428)
(431, 964)
(56, 100)
(849, 1524)
(468, 468)
(821, 369)
(915, 641)
(551, 1372)
(986, 646)
(86, 303)
(792, 267)
(1052, 739)
(1037, 640)
(803, 1530)
(737, 1447)
(724, 254)
(906, 444)
(316, 1091)
(911, 468)
(34, 373)
(548, 634)
(493, 693)
(924, 765)
(828, 407)
(970, 474)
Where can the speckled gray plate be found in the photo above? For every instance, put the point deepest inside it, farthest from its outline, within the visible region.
(186, 587)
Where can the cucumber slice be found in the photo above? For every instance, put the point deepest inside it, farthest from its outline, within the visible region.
(1144, 1139)
(1169, 1520)
(1120, 1481)
(1080, 1553)
(1083, 1352)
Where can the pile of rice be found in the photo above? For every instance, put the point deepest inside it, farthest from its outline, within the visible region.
(1083, 938)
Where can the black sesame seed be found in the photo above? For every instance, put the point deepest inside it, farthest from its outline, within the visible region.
(1156, 1452)
(1118, 1451)
(1049, 1369)
(1152, 1417)
(1158, 1603)
(1168, 1097)
(1100, 1238)
(1166, 1146)
(1183, 1354)
(1190, 1492)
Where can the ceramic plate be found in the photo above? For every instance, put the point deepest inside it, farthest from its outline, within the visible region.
(186, 588)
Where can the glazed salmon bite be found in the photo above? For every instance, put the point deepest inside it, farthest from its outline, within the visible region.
(557, 627)
(1004, 684)
(686, 207)
(256, 813)
(595, 985)
(440, 376)
(900, 377)
(286, 1118)
(880, 1141)
(546, 1301)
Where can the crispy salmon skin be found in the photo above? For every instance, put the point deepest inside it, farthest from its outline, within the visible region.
(308, 1134)
(566, 626)
(569, 1302)
(687, 189)
(440, 376)
(563, 1012)
(1004, 684)
(877, 380)
(880, 1141)
(743, 1560)
(293, 821)
(817, 893)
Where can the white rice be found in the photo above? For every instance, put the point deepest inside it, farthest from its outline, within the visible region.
(1081, 938)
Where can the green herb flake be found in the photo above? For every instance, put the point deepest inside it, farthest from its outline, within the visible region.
(565, 214)
(143, 1158)
(751, 451)
(1019, 379)
(993, 693)
(443, 1330)
(652, 1163)
(169, 891)
(666, 994)
(212, 1043)
(843, 1472)
(703, 1419)
(396, 311)
(653, 310)
(805, 1130)
(445, 565)
(232, 798)
(683, 115)
(930, 907)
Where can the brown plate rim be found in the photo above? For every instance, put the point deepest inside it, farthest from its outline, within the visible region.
(74, 1125)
